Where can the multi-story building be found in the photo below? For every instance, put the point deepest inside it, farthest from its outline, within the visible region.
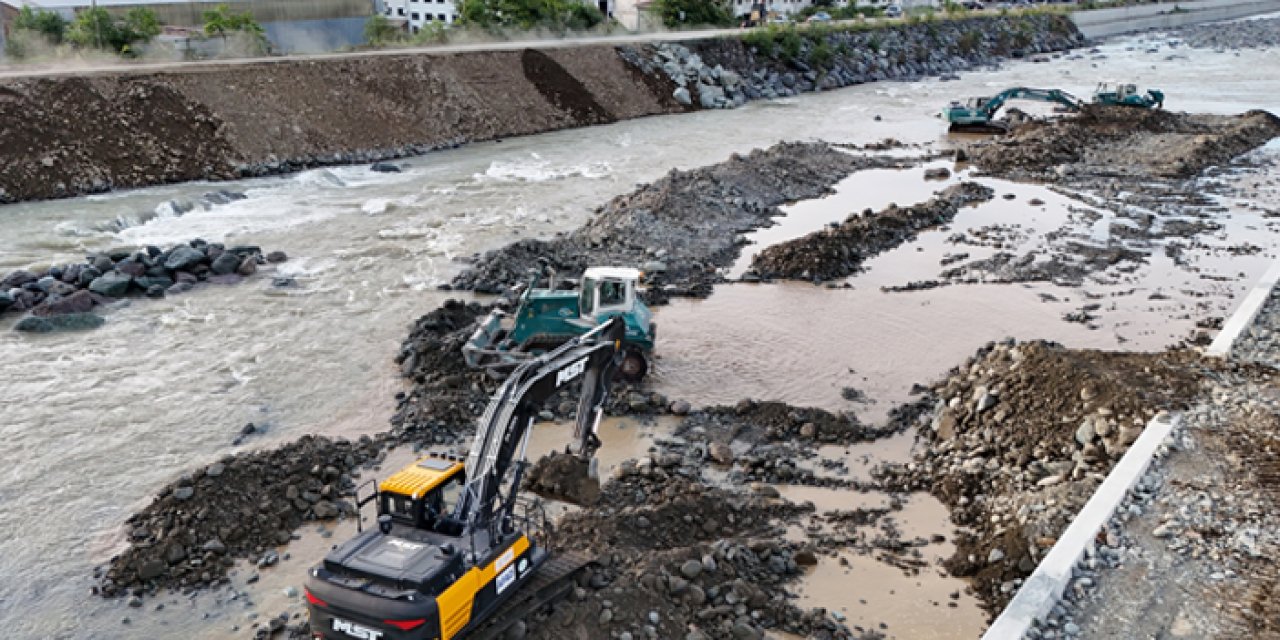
(416, 14)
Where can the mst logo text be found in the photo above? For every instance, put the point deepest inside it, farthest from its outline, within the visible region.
(356, 631)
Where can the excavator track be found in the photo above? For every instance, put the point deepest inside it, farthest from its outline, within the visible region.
(552, 581)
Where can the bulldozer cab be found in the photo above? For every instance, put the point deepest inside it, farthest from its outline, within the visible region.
(606, 291)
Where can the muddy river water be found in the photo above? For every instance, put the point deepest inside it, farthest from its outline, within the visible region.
(92, 424)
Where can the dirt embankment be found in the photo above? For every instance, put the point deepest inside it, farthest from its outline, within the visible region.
(1022, 436)
(72, 135)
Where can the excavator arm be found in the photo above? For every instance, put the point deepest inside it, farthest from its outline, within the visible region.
(503, 430)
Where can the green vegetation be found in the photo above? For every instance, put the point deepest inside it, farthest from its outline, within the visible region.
(97, 28)
(47, 23)
(379, 31)
(689, 13)
(221, 22)
(558, 15)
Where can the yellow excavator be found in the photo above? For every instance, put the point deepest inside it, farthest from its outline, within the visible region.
(457, 552)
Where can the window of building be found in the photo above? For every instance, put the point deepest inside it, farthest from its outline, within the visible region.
(416, 16)
(428, 17)
(454, 18)
(440, 17)
(400, 11)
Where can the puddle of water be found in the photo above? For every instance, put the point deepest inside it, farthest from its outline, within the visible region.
(860, 459)
(868, 592)
(621, 439)
(834, 499)
(873, 189)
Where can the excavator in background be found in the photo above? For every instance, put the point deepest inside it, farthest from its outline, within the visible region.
(452, 556)
(978, 114)
(1127, 95)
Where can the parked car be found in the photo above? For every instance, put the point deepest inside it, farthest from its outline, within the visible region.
(893, 11)
(821, 16)
(779, 20)
(972, 5)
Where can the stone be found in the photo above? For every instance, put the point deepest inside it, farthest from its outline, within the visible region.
(215, 546)
(65, 322)
(111, 284)
(709, 96)
(225, 264)
(691, 569)
(17, 279)
(939, 173)
(996, 555)
(680, 408)
(384, 167)
(808, 430)
(325, 510)
(151, 569)
(6, 301)
(1085, 433)
(79, 302)
(720, 453)
(805, 558)
(248, 266)
(175, 553)
(183, 258)
(681, 94)
(986, 402)
(276, 257)
(182, 494)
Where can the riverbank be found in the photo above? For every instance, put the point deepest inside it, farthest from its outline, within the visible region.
(75, 135)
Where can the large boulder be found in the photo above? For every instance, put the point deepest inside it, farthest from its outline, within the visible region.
(183, 258)
(68, 322)
(6, 301)
(17, 279)
(148, 281)
(112, 284)
(225, 263)
(79, 302)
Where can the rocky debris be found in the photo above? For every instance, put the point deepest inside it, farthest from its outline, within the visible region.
(563, 477)
(242, 506)
(688, 220)
(679, 559)
(1021, 436)
(726, 73)
(1122, 142)
(837, 252)
(76, 290)
(1262, 33)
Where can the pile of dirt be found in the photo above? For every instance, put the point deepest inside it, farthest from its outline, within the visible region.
(563, 477)
(1122, 142)
(243, 506)
(837, 252)
(1021, 436)
(683, 227)
(679, 559)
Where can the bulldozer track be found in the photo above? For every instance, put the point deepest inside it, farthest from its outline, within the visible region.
(552, 582)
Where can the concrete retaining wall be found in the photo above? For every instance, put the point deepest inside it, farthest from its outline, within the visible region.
(1101, 23)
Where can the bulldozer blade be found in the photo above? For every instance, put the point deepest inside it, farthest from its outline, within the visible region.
(566, 478)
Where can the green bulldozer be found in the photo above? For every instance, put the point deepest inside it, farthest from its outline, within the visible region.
(1127, 95)
(547, 317)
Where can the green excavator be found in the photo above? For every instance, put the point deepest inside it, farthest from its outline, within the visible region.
(978, 114)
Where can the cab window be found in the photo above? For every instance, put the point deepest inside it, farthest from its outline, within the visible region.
(612, 293)
(399, 507)
(587, 302)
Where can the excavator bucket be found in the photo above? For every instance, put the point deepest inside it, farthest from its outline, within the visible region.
(566, 478)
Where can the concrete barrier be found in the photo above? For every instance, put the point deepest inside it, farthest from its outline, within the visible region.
(1047, 583)
(1100, 23)
(1052, 576)
(1245, 313)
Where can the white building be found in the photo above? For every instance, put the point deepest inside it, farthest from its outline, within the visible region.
(420, 13)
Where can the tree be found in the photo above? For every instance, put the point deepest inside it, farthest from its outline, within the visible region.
(221, 22)
(47, 23)
(378, 30)
(97, 28)
(530, 14)
(677, 13)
